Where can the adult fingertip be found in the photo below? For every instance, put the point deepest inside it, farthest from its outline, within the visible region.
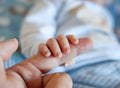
(8, 47)
(15, 41)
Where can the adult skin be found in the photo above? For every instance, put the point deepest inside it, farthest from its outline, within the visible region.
(28, 74)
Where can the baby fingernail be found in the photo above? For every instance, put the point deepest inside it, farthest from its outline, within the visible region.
(67, 50)
(76, 41)
(47, 53)
(59, 54)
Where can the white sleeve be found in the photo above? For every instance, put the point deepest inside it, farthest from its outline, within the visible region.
(38, 26)
(78, 17)
(86, 19)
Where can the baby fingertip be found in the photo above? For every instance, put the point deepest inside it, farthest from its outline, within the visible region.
(47, 53)
(76, 41)
(58, 54)
(67, 50)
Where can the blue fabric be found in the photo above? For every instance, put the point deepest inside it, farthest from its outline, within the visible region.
(99, 75)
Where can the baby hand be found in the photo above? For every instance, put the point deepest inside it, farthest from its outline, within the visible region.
(56, 47)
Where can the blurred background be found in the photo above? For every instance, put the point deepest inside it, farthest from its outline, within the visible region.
(12, 13)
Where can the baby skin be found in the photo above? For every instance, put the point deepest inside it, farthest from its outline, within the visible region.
(60, 46)
(28, 74)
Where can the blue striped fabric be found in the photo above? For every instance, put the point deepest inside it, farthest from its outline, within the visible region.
(100, 75)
